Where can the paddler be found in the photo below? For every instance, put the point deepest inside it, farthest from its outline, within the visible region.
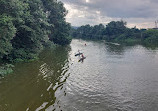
(82, 55)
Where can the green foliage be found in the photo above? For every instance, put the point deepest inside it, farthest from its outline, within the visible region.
(110, 32)
(6, 69)
(26, 27)
(116, 31)
(22, 54)
(60, 29)
(61, 34)
(7, 32)
(89, 32)
(151, 36)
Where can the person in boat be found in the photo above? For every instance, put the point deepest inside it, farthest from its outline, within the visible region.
(82, 55)
(79, 53)
(82, 58)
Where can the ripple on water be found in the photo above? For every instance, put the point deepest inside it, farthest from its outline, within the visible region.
(111, 78)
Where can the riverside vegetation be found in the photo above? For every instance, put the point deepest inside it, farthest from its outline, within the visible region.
(27, 27)
(116, 31)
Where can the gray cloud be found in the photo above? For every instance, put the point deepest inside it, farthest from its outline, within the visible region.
(142, 10)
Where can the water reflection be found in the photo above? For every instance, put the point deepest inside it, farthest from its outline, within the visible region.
(54, 72)
(150, 46)
(34, 86)
(114, 49)
(112, 78)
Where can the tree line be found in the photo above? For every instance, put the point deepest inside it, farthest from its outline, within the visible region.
(28, 26)
(116, 31)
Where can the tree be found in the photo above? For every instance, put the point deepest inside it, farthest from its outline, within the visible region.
(29, 26)
(7, 33)
(56, 13)
(151, 36)
(114, 29)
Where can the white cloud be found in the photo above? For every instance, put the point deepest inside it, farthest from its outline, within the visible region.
(140, 13)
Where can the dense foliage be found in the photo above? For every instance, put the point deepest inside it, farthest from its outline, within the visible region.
(27, 26)
(116, 31)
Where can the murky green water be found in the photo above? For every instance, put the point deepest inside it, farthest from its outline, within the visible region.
(112, 78)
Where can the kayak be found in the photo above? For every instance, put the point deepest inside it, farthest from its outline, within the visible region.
(78, 54)
(82, 59)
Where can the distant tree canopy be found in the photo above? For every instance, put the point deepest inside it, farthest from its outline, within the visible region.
(27, 26)
(151, 36)
(116, 31)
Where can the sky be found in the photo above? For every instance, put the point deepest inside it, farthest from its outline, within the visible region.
(139, 13)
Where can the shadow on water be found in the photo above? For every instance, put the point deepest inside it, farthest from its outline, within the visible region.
(34, 86)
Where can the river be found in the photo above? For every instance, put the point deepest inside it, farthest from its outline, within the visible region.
(113, 77)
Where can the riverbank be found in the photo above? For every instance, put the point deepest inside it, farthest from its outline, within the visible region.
(117, 31)
(6, 66)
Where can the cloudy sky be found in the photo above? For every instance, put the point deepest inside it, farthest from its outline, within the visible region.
(139, 13)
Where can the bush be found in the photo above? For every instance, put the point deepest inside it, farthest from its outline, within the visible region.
(6, 69)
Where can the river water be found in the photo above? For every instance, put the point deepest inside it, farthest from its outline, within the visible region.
(113, 77)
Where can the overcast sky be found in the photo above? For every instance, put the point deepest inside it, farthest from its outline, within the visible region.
(139, 13)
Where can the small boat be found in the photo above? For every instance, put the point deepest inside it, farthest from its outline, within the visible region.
(81, 59)
(78, 54)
